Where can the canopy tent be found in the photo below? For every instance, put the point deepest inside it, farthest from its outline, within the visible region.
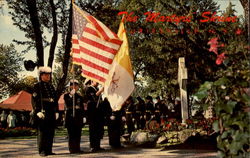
(22, 102)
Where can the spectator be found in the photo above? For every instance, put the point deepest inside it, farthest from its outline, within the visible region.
(11, 120)
(3, 119)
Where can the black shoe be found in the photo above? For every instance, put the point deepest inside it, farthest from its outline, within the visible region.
(43, 154)
(76, 152)
(51, 153)
(100, 149)
(93, 150)
(121, 147)
(117, 147)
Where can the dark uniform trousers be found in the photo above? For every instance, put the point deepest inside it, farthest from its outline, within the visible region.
(149, 110)
(95, 118)
(74, 136)
(137, 119)
(130, 122)
(96, 130)
(115, 130)
(139, 115)
(130, 111)
(96, 125)
(44, 100)
(74, 123)
(158, 116)
(158, 112)
(46, 132)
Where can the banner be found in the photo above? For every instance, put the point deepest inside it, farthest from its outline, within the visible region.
(120, 83)
(94, 45)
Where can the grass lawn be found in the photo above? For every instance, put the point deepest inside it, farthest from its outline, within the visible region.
(59, 132)
(62, 131)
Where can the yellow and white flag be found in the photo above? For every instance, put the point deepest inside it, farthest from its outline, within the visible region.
(120, 83)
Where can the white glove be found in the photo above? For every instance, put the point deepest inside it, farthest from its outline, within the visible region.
(152, 116)
(123, 118)
(112, 117)
(40, 115)
(72, 92)
(57, 116)
(84, 120)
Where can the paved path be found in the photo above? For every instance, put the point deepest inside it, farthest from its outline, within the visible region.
(26, 148)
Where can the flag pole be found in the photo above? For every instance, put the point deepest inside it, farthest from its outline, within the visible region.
(72, 69)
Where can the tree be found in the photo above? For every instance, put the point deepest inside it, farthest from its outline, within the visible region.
(10, 65)
(29, 16)
(156, 46)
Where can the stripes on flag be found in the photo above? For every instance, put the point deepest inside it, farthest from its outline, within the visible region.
(94, 45)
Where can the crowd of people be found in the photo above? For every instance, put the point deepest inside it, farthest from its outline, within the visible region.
(11, 119)
(90, 108)
(139, 113)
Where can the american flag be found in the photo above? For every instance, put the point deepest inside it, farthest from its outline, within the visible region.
(94, 45)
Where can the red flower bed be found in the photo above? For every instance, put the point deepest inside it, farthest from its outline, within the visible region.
(15, 132)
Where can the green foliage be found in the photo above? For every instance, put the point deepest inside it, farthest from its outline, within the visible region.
(25, 84)
(155, 54)
(10, 65)
(233, 123)
(230, 99)
(229, 93)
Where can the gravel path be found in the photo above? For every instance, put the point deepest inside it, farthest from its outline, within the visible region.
(26, 148)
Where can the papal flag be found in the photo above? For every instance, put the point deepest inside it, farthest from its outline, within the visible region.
(120, 83)
(94, 45)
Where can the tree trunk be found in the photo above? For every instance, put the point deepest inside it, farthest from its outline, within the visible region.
(66, 56)
(37, 31)
(245, 6)
(55, 35)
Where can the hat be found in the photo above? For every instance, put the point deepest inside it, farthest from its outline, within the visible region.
(130, 98)
(149, 97)
(73, 81)
(44, 69)
(138, 98)
(87, 81)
